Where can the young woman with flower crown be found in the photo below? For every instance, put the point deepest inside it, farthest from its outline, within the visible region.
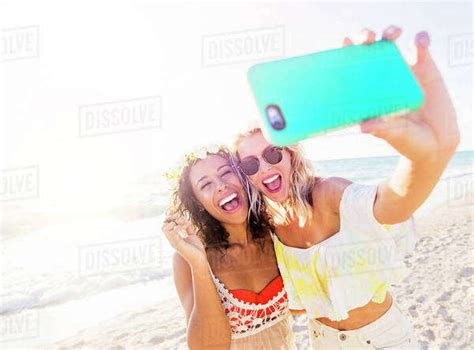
(224, 268)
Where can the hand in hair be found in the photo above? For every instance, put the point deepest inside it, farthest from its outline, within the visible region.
(182, 237)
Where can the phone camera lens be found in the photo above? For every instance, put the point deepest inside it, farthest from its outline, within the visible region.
(275, 117)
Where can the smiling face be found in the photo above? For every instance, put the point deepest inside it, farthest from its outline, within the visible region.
(272, 180)
(218, 189)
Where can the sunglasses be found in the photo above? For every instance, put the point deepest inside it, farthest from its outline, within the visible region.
(250, 165)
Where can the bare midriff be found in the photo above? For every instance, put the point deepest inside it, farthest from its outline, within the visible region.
(361, 316)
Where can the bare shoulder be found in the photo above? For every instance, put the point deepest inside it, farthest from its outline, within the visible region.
(328, 191)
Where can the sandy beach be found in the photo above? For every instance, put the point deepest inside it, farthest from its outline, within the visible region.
(436, 296)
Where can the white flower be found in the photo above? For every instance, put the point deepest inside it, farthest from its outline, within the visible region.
(201, 153)
(213, 148)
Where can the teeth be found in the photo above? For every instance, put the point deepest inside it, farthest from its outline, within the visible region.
(227, 199)
(273, 178)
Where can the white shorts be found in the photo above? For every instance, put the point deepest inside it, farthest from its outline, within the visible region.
(391, 331)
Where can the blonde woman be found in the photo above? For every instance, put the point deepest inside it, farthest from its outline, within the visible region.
(340, 244)
(225, 270)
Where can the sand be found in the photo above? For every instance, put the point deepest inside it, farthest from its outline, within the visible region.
(436, 296)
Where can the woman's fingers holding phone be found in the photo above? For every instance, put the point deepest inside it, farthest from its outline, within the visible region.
(347, 42)
(391, 33)
(366, 36)
(422, 42)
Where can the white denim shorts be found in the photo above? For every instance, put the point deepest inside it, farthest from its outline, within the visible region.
(391, 331)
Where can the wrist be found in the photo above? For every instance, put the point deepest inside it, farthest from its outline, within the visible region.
(198, 262)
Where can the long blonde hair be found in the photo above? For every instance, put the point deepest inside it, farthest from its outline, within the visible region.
(302, 180)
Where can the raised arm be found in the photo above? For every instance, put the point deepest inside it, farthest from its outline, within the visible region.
(207, 323)
(426, 139)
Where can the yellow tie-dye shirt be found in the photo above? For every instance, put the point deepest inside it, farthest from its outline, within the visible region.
(351, 268)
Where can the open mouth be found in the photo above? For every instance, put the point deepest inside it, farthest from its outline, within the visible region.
(273, 184)
(231, 203)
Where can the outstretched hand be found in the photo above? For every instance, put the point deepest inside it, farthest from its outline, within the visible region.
(427, 133)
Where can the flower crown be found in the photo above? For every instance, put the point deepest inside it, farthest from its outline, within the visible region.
(202, 152)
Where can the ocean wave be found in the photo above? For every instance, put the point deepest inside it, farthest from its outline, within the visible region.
(54, 290)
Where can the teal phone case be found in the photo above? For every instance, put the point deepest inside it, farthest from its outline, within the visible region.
(328, 90)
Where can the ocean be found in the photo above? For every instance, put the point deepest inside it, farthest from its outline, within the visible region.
(71, 275)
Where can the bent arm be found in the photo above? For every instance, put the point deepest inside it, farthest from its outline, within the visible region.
(207, 323)
(409, 186)
(419, 170)
(425, 138)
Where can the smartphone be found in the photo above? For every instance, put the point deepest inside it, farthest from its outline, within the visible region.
(308, 95)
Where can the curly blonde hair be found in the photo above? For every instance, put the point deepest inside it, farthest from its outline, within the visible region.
(299, 203)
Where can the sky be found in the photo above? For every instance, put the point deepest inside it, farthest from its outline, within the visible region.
(167, 64)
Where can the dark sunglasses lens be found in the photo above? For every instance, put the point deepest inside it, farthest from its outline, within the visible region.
(249, 166)
(273, 155)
